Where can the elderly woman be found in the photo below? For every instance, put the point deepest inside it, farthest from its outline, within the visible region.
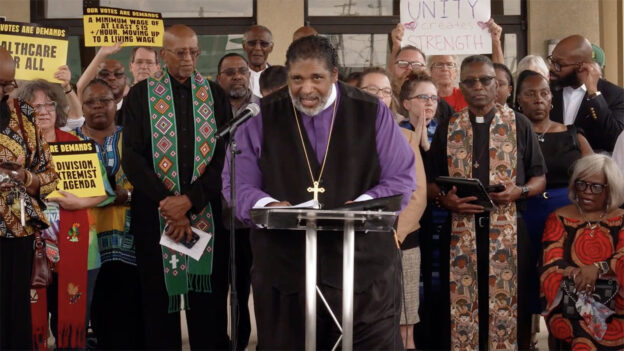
(70, 255)
(375, 81)
(26, 176)
(584, 241)
(118, 272)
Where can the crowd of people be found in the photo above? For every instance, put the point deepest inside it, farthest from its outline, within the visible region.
(545, 141)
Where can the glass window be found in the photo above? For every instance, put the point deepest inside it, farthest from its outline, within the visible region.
(168, 8)
(73, 57)
(350, 8)
(358, 51)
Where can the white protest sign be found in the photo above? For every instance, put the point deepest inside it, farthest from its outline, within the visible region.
(447, 27)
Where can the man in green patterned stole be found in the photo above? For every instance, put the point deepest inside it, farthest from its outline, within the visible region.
(484, 255)
(170, 151)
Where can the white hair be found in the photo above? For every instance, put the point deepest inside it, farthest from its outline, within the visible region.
(594, 164)
(534, 63)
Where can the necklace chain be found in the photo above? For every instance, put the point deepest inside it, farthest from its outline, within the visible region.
(591, 226)
(315, 189)
(540, 136)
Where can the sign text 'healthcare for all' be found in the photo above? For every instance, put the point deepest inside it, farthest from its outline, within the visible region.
(78, 168)
(447, 27)
(104, 26)
(38, 51)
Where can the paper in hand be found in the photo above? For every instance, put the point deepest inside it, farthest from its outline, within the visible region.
(196, 250)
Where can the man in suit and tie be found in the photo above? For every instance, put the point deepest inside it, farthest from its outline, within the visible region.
(581, 97)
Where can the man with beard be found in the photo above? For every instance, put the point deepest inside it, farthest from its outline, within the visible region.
(233, 77)
(581, 97)
(170, 154)
(320, 131)
(258, 44)
(483, 128)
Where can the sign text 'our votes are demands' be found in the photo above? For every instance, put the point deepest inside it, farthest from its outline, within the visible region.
(104, 26)
(447, 27)
(78, 168)
(37, 50)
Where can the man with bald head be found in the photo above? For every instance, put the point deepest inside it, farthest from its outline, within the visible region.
(581, 97)
(258, 44)
(304, 31)
(113, 72)
(170, 153)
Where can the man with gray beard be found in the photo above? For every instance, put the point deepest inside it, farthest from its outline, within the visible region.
(319, 131)
(233, 77)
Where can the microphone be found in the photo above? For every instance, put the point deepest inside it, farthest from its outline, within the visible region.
(251, 110)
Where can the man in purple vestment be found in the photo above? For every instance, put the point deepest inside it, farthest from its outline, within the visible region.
(319, 130)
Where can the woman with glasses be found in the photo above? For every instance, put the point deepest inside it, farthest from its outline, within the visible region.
(505, 85)
(561, 146)
(116, 288)
(69, 258)
(583, 242)
(444, 75)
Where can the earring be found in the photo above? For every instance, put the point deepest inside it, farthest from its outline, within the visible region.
(519, 108)
(551, 106)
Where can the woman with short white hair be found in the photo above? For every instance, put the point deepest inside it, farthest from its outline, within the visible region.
(534, 63)
(583, 260)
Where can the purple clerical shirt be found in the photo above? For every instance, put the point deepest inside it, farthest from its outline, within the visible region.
(396, 158)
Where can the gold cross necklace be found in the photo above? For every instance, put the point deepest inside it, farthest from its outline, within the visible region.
(316, 188)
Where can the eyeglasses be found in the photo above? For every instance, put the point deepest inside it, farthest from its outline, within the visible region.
(471, 82)
(385, 92)
(425, 97)
(102, 101)
(441, 65)
(263, 43)
(181, 53)
(48, 106)
(105, 74)
(557, 67)
(407, 64)
(144, 62)
(595, 188)
(9, 86)
(231, 72)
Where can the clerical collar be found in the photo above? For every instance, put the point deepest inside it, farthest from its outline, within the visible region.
(332, 97)
(482, 119)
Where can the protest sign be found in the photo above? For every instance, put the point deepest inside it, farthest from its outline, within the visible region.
(104, 26)
(78, 168)
(37, 50)
(445, 27)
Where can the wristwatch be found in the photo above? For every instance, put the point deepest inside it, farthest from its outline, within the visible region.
(525, 192)
(603, 267)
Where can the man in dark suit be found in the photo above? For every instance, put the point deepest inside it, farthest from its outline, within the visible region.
(581, 97)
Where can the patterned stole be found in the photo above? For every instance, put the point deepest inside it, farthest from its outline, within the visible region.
(182, 274)
(502, 239)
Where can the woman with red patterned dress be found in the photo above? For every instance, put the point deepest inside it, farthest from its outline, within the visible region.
(584, 241)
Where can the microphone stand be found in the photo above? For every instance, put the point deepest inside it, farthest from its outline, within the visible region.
(233, 291)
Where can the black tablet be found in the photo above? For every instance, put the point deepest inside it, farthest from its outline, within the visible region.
(467, 187)
(389, 203)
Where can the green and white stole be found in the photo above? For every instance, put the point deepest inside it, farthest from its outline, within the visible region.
(183, 274)
(503, 256)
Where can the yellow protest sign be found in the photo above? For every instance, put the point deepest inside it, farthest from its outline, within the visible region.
(104, 26)
(37, 50)
(78, 168)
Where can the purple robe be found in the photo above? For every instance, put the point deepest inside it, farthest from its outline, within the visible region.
(396, 158)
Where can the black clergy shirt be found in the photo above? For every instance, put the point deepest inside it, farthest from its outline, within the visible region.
(530, 160)
(137, 152)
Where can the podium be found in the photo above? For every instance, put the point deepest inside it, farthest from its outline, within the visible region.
(312, 220)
